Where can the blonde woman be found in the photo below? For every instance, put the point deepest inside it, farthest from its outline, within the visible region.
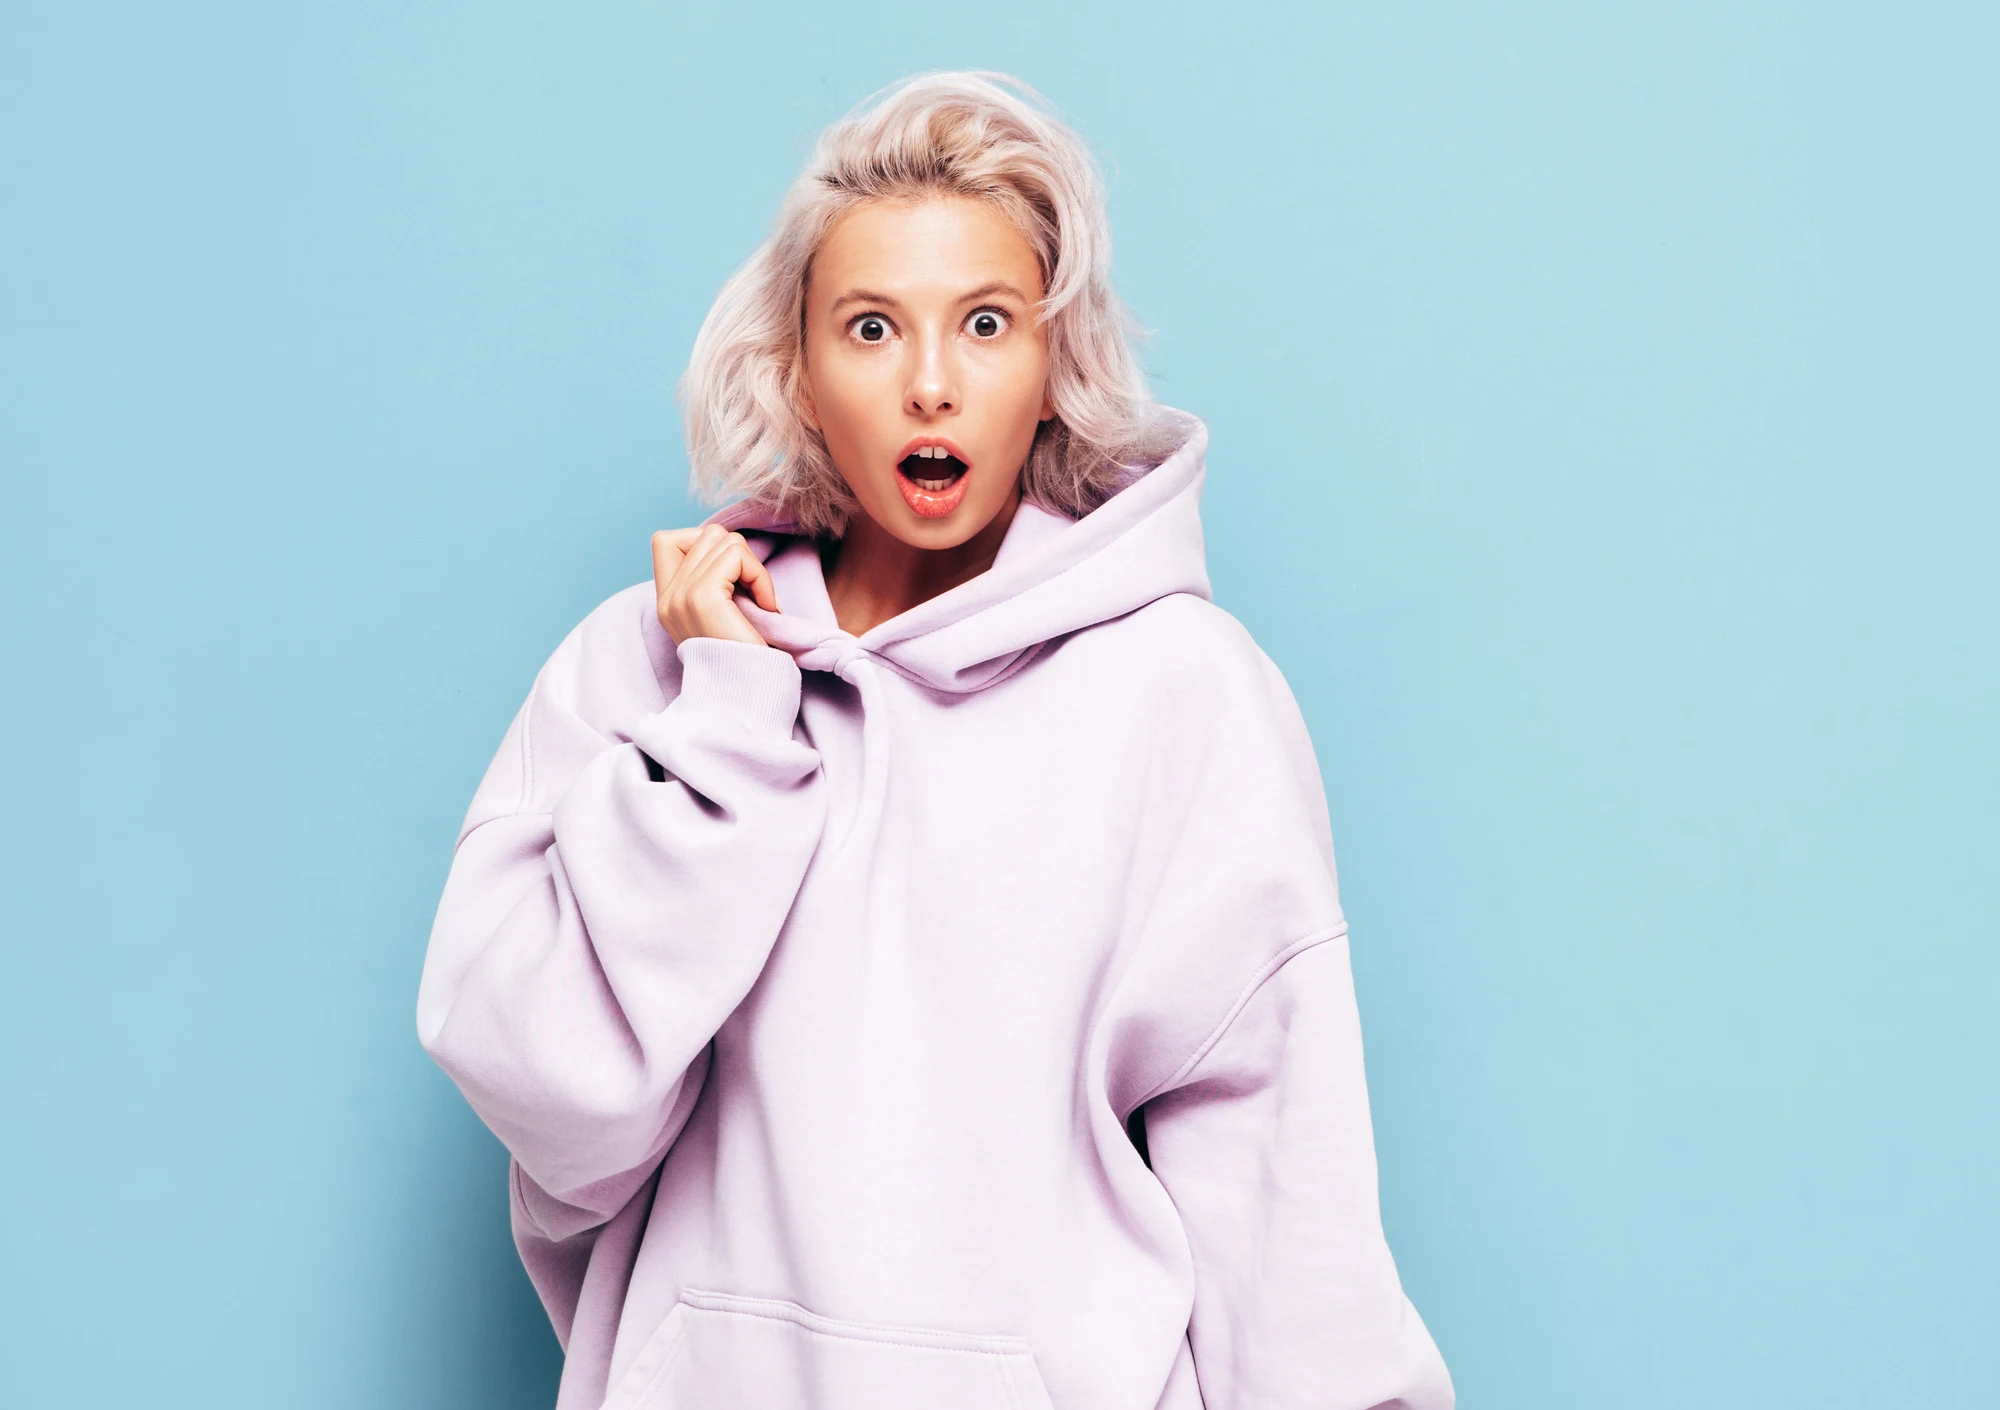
(899, 944)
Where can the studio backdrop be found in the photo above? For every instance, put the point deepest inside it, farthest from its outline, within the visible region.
(1603, 413)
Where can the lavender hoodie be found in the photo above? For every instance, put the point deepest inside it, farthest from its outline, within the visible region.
(951, 1018)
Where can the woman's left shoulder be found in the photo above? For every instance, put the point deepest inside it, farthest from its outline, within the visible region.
(1188, 648)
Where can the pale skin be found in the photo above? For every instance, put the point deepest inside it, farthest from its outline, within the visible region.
(919, 328)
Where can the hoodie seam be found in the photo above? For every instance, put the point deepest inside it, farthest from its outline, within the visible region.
(515, 1177)
(527, 749)
(1249, 991)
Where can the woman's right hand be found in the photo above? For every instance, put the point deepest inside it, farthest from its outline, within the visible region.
(696, 573)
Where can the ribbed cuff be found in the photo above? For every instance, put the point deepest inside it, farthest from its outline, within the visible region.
(755, 686)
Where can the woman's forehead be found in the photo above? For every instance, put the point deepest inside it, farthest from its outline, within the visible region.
(944, 246)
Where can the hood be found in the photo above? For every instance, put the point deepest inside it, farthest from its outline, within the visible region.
(1052, 576)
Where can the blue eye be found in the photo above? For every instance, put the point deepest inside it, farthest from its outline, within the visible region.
(987, 323)
(871, 329)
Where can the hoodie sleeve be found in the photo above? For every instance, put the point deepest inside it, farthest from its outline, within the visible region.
(611, 901)
(1265, 1148)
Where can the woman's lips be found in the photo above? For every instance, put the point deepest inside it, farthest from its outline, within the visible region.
(932, 493)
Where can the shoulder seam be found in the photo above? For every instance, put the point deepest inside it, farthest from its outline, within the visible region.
(1249, 991)
(527, 750)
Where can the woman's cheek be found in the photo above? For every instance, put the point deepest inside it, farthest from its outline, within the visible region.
(856, 400)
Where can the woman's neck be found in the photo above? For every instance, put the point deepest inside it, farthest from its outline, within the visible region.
(871, 575)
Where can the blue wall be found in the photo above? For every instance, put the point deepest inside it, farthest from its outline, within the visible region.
(1604, 443)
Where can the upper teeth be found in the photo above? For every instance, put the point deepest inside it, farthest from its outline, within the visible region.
(933, 453)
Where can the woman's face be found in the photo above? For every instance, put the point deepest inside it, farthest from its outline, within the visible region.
(925, 370)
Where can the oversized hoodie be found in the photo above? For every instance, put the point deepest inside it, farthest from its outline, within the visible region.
(953, 1017)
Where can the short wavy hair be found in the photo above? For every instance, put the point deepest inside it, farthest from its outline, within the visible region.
(978, 135)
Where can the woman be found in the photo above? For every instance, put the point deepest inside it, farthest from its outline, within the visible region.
(899, 945)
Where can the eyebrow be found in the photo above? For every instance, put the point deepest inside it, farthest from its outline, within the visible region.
(864, 296)
(998, 286)
(984, 291)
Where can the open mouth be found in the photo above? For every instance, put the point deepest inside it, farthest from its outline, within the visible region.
(932, 479)
(932, 469)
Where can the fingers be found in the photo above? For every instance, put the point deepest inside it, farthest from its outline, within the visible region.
(753, 575)
(727, 561)
(711, 562)
(677, 554)
(676, 610)
(708, 539)
(696, 576)
(731, 560)
(670, 547)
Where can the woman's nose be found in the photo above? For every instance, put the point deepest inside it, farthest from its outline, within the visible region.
(933, 387)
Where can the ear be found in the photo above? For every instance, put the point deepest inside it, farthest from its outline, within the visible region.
(1048, 412)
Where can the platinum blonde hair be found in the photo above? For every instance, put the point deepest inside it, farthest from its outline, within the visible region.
(977, 135)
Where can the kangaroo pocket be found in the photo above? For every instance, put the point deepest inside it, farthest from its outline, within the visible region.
(716, 1351)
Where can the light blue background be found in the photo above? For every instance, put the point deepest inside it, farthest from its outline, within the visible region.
(1604, 444)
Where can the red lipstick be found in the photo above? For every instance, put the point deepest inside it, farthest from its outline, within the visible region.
(933, 474)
